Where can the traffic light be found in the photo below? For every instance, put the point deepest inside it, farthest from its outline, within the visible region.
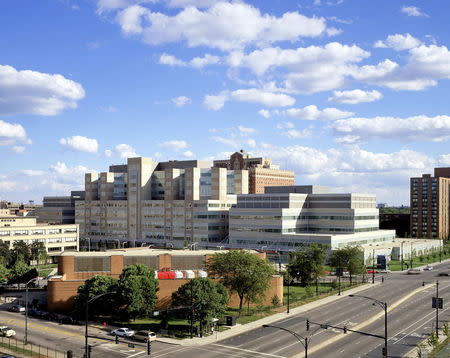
(69, 354)
(149, 347)
(89, 351)
(117, 339)
(345, 329)
(307, 324)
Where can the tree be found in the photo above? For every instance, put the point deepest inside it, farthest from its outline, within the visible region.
(204, 298)
(242, 272)
(136, 289)
(38, 251)
(96, 285)
(306, 264)
(21, 249)
(349, 257)
(5, 253)
(4, 272)
(20, 272)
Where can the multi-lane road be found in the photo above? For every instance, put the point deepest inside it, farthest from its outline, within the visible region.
(410, 318)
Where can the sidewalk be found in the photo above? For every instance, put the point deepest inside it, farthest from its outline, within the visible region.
(239, 329)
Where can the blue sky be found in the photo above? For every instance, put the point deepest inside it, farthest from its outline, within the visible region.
(347, 93)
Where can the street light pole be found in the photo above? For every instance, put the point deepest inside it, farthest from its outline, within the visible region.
(385, 308)
(339, 276)
(402, 255)
(437, 309)
(410, 256)
(288, 293)
(25, 340)
(296, 335)
(86, 345)
(373, 265)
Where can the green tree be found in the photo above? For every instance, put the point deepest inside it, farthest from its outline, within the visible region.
(137, 288)
(242, 272)
(207, 298)
(349, 257)
(4, 272)
(38, 251)
(96, 285)
(5, 253)
(21, 250)
(21, 272)
(306, 264)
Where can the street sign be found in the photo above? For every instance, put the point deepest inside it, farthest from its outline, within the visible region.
(437, 302)
(324, 326)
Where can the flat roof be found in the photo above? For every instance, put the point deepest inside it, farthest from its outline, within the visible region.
(137, 251)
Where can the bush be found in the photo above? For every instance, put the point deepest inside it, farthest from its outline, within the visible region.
(334, 285)
(433, 340)
(275, 301)
(421, 258)
(308, 291)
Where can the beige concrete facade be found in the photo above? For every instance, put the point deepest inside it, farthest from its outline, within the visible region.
(56, 238)
(261, 172)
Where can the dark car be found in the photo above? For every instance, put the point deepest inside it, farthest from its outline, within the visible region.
(444, 273)
(33, 312)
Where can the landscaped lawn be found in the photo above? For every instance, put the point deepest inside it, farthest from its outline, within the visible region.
(395, 265)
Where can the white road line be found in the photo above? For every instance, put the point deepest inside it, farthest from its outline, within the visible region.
(136, 354)
(248, 350)
(176, 350)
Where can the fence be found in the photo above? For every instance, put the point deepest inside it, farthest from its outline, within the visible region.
(30, 349)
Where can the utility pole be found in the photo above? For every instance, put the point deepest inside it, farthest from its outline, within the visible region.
(410, 256)
(339, 276)
(288, 293)
(437, 309)
(373, 265)
(402, 256)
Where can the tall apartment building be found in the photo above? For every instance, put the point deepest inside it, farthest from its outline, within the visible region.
(285, 218)
(430, 201)
(261, 171)
(56, 238)
(175, 203)
(59, 209)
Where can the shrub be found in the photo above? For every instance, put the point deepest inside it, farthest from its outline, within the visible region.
(275, 301)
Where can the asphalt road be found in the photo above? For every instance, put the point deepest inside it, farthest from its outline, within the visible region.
(407, 324)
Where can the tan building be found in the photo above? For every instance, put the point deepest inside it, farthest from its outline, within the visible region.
(176, 203)
(261, 172)
(58, 209)
(75, 268)
(56, 238)
(430, 205)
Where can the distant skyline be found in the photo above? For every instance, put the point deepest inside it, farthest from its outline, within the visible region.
(348, 94)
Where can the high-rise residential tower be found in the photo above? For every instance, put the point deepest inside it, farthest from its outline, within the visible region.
(430, 204)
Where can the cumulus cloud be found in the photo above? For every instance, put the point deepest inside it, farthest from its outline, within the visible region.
(312, 113)
(33, 92)
(251, 95)
(108, 153)
(246, 130)
(412, 11)
(80, 144)
(196, 62)
(181, 101)
(295, 133)
(174, 145)
(355, 96)
(425, 66)
(224, 26)
(353, 130)
(188, 154)
(399, 42)
(264, 112)
(18, 149)
(125, 151)
(11, 133)
(227, 141)
(196, 3)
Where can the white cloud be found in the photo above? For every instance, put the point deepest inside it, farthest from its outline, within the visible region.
(188, 154)
(62, 169)
(181, 101)
(174, 145)
(18, 149)
(245, 130)
(227, 141)
(11, 133)
(80, 144)
(196, 62)
(10, 186)
(108, 153)
(251, 95)
(32, 172)
(196, 3)
(425, 66)
(415, 128)
(285, 125)
(125, 151)
(33, 92)
(251, 143)
(412, 11)
(312, 113)
(399, 42)
(264, 112)
(295, 133)
(109, 109)
(355, 96)
(224, 26)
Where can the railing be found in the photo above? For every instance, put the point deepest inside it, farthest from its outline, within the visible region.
(30, 349)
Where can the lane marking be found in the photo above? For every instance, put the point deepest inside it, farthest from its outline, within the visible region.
(247, 350)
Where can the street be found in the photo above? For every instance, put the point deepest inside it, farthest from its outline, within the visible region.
(410, 318)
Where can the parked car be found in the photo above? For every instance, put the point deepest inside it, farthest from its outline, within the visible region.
(145, 336)
(414, 271)
(5, 331)
(444, 273)
(16, 308)
(123, 332)
(428, 268)
(372, 271)
(33, 312)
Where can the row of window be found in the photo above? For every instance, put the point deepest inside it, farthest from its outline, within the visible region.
(35, 232)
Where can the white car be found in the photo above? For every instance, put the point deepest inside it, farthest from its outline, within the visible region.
(414, 271)
(428, 268)
(123, 332)
(5, 331)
